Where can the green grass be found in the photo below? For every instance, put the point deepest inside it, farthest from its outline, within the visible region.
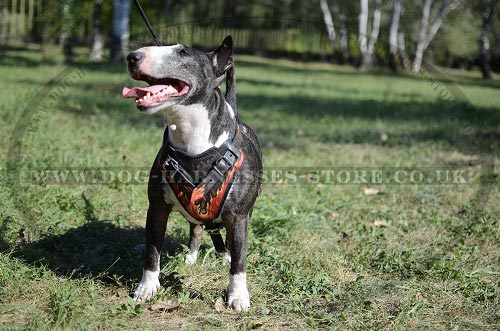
(320, 256)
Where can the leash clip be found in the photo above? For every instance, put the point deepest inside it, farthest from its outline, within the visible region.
(179, 169)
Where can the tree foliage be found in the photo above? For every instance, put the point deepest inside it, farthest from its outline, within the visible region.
(293, 27)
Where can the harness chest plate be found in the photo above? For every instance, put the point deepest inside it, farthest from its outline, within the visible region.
(202, 182)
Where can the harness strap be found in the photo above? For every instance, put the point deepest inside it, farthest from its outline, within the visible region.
(226, 162)
(213, 229)
(231, 150)
(218, 81)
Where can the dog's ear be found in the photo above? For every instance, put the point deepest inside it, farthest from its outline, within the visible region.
(222, 57)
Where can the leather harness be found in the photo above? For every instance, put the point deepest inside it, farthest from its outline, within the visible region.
(202, 182)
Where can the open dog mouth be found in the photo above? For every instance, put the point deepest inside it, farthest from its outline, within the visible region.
(158, 91)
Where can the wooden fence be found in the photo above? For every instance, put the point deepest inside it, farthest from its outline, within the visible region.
(18, 16)
(19, 19)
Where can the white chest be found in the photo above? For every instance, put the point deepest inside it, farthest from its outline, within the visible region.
(189, 128)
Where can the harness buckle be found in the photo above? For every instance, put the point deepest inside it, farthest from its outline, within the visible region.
(229, 162)
(218, 171)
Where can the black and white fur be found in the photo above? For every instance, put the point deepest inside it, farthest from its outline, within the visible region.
(197, 121)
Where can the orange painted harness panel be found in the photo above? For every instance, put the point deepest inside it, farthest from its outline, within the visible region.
(200, 203)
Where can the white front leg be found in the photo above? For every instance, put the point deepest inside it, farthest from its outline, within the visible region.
(238, 297)
(148, 286)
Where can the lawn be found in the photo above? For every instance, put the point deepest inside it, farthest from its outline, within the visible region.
(322, 254)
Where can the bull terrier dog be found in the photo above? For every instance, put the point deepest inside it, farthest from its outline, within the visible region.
(209, 165)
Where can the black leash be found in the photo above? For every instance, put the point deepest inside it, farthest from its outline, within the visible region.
(155, 37)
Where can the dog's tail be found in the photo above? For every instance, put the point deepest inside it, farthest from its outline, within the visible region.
(231, 88)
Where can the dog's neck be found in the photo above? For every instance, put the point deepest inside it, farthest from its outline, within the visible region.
(198, 127)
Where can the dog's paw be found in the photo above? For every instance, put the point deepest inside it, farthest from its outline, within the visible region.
(238, 298)
(226, 258)
(191, 258)
(240, 304)
(148, 286)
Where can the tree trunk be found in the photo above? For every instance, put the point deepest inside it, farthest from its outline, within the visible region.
(402, 50)
(120, 29)
(344, 36)
(46, 33)
(66, 29)
(484, 41)
(424, 23)
(367, 47)
(2, 32)
(363, 30)
(31, 11)
(377, 14)
(426, 35)
(393, 35)
(97, 46)
(327, 18)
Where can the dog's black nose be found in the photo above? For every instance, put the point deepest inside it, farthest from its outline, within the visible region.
(135, 57)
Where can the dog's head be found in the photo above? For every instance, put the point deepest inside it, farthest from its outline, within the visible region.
(177, 75)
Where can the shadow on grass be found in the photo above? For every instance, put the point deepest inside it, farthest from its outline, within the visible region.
(458, 78)
(98, 249)
(460, 127)
(32, 60)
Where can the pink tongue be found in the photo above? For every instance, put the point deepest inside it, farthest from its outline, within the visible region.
(139, 92)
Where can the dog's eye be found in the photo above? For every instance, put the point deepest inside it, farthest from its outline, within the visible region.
(183, 52)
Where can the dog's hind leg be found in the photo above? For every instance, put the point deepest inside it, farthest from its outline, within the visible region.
(195, 232)
(156, 225)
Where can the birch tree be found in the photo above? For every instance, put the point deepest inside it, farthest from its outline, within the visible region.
(344, 36)
(2, 32)
(120, 29)
(67, 21)
(394, 34)
(402, 49)
(330, 29)
(428, 31)
(97, 43)
(484, 41)
(367, 46)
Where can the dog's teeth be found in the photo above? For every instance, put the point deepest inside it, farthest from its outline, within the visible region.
(171, 90)
(136, 100)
